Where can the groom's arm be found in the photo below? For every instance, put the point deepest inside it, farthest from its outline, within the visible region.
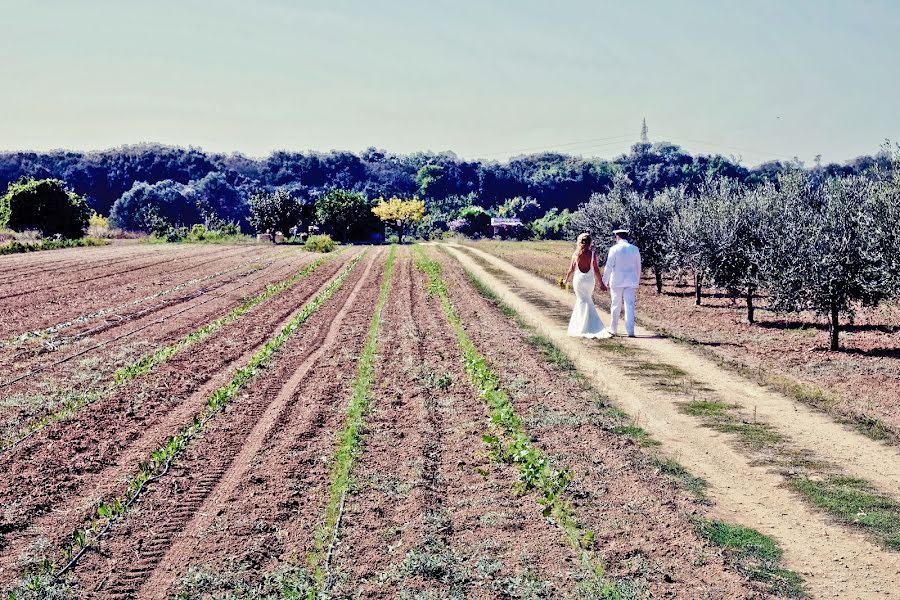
(610, 265)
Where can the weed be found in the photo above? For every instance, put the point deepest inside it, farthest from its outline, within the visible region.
(706, 408)
(671, 467)
(754, 435)
(754, 554)
(637, 433)
(291, 582)
(661, 370)
(552, 354)
(852, 501)
(15, 247)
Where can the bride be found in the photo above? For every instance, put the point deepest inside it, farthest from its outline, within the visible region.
(585, 321)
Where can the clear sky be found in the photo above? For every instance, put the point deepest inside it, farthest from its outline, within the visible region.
(759, 79)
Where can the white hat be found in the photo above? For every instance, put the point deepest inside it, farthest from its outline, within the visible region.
(619, 231)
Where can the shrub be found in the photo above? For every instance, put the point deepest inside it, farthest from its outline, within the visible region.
(45, 205)
(199, 231)
(319, 243)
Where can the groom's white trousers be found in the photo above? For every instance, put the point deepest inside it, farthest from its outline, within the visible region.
(617, 295)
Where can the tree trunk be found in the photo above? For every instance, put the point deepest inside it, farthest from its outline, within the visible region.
(835, 328)
(697, 288)
(750, 308)
(658, 272)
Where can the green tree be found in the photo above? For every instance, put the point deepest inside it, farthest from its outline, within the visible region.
(523, 208)
(691, 237)
(431, 181)
(44, 205)
(554, 225)
(646, 218)
(345, 214)
(274, 211)
(828, 253)
(741, 238)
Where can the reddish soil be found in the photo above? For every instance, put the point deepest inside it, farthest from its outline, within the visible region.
(428, 512)
(52, 298)
(239, 490)
(68, 466)
(640, 518)
(44, 378)
(425, 491)
(863, 378)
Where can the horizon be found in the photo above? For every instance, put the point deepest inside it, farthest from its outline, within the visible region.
(755, 82)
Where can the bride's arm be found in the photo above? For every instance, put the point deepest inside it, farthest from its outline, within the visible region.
(595, 265)
(571, 270)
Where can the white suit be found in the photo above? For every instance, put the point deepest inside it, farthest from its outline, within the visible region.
(623, 276)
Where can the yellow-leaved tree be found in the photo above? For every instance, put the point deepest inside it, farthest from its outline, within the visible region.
(399, 214)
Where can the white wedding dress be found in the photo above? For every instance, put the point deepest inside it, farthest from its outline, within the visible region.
(586, 321)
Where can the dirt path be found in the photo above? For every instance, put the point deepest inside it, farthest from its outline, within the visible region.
(836, 562)
(858, 455)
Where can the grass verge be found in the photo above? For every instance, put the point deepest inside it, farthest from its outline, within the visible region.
(349, 438)
(512, 445)
(755, 555)
(147, 363)
(157, 465)
(853, 502)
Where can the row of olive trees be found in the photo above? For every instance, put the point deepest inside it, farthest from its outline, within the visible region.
(825, 245)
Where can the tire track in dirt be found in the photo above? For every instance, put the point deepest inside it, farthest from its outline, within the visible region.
(69, 465)
(150, 573)
(837, 562)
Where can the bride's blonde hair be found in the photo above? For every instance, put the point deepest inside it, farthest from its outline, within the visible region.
(582, 241)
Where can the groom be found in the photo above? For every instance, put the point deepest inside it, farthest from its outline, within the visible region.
(622, 275)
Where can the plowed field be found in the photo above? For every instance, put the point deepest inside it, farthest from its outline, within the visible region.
(260, 422)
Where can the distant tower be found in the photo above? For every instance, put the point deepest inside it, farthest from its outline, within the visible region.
(645, 139)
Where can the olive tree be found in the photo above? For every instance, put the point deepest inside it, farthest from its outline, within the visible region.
(647, 218)
(740, 240)
(829, 254)
(690, 239)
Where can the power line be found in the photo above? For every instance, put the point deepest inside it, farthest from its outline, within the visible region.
(549, 147)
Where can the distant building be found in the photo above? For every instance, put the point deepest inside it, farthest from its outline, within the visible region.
(499, 225)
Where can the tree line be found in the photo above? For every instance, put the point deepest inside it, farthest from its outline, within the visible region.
(145, 187)
(808, 239)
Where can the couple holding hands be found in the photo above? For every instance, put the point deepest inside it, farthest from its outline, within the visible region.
(621, 275)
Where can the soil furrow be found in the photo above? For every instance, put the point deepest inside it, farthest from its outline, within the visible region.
(166, 313)
(69, 465)
(836, 562)
(429, 514)
(158, 577)
(211, 481)
(68, 299)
